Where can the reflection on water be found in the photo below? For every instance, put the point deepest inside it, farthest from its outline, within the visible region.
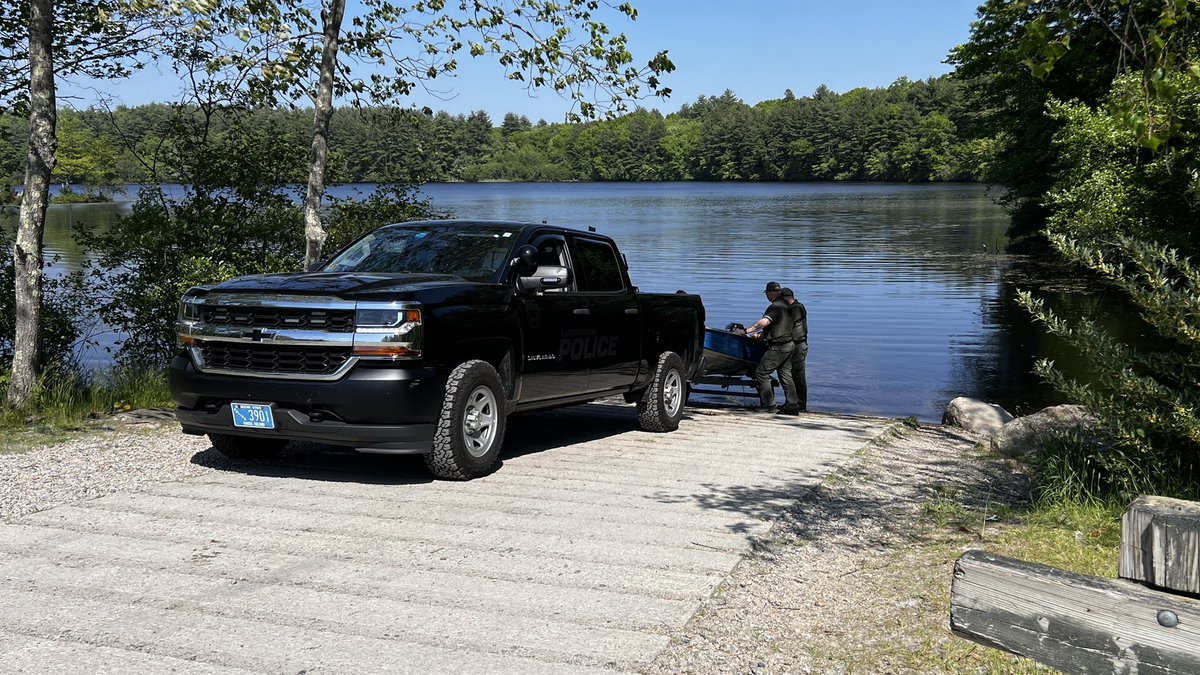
(909, 301)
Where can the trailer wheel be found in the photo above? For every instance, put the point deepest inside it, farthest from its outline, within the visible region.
(247, 447)
(661, 405)
(470, 427)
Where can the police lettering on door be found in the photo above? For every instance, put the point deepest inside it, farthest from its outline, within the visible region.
(585, 344)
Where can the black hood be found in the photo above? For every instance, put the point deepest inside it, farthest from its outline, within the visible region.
(335, 283)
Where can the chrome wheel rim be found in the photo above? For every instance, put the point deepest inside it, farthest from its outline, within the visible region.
(673, 392)
(480, 420)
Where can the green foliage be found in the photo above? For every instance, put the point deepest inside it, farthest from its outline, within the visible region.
(100, 39)
(272, 51)
(65, 396)
(1147, 403)
(164, 246)
(84, 157)
(906, 132)
(1009, 102)
(1113, 168)
(232, 220)
(1076, 469)
(229, 222)
(1157, 41)
(1109, 184)
(909, 131)
(14, 136)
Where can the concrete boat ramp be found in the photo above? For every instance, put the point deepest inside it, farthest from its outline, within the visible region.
(582, 553)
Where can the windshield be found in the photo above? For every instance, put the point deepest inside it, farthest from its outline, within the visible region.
(475, 254)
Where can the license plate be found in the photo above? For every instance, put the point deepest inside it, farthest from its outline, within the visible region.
(252, 416)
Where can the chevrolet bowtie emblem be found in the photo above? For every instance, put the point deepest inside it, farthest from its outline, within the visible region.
(259, 335)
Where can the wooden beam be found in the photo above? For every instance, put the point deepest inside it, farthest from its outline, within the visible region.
(1160, 543)
(1073, 622)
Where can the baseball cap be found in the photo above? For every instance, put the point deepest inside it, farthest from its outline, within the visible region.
(786, 293)
(772, 286)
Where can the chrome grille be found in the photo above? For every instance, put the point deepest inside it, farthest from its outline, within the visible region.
(270, 358)
(329, 320)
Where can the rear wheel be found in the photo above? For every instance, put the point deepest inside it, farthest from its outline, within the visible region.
(661, 405)
(247, 447)
(470, 427)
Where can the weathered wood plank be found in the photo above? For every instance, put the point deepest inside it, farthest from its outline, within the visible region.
(1160, 543)
(1073, 622)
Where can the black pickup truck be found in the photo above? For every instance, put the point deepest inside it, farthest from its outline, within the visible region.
(423, 337)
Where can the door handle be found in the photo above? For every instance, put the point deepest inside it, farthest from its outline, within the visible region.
(631, 311)
(582, 312)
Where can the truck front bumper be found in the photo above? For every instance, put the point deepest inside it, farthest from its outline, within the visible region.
(387, 410)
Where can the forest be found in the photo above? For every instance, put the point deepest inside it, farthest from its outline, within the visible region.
(914, 131)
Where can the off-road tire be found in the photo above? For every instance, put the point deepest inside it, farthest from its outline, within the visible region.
(247, 447)
(470, 426)
(661, 405)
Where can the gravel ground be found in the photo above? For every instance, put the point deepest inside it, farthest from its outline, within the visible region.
(852, 579)
(856, 577)
(134, 449)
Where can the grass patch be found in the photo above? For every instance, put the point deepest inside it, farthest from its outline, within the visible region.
(1079, 469)
(903, 627)
(909, 616)
(1077, 538)
(66, 404)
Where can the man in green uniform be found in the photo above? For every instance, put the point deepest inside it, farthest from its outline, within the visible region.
(799, 317)
(775, 327)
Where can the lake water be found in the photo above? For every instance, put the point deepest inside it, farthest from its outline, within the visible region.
(908, 292)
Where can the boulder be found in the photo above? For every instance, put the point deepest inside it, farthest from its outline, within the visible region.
(975, 416)
(1027, 434)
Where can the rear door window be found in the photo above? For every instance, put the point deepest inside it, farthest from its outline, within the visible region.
(597, 268)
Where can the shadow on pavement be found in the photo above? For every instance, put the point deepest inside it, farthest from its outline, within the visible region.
(526, 434)
(312, 461)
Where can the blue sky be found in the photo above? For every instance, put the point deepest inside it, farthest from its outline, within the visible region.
(757, 48)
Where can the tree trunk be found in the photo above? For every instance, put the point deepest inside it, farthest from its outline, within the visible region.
(314, 232)
(27, 252)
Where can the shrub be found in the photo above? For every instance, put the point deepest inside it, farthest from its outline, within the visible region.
(150, 257)
(234, 218)
(1147, 402)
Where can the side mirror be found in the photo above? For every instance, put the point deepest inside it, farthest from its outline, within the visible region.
(527, 256)
(545, 278)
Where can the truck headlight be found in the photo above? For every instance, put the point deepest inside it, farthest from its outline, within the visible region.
(189, 309)
(189, 316)
(388, 332)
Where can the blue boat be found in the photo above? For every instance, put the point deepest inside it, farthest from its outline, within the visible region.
(730, 353)
(729, 361)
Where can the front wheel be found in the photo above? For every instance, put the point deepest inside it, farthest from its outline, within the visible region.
(247, 447)
(470, 426)
(661, 405)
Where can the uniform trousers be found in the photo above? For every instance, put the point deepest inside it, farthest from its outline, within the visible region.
(776, 360)
(799, 378)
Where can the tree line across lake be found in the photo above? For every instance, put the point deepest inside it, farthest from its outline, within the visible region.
(915, 131)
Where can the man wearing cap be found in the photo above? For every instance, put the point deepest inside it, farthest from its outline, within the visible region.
(799, 318)
(775, 327)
